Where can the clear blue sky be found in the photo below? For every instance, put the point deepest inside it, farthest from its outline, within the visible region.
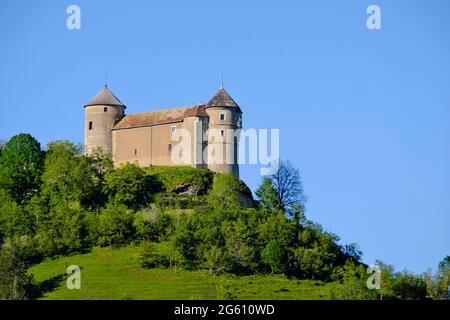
(364, 114)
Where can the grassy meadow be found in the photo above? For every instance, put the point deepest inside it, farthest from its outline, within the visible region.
(108, 273)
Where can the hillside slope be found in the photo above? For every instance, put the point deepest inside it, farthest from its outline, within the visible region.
(108, 273)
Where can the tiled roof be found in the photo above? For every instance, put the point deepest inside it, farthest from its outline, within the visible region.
(105, 98)
(160, 117)
(222, 99)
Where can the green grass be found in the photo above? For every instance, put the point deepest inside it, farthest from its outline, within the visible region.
(108, 273)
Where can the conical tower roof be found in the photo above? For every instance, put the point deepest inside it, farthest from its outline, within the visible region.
(222, 99)
(105, 98)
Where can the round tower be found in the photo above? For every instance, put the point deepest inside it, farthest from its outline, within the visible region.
(101, 114)
(225, 122)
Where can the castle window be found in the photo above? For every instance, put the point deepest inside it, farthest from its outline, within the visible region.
(173, 129)
(105, 109)
(222, 117)
(170, 148)
(222, 133)
(90, 125)
(135, 152)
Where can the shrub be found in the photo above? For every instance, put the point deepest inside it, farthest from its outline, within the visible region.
(115, 225)
(273, 255)
(16, 256)
(228, 192)
(175, 177)
(163, 254)
(131, 186)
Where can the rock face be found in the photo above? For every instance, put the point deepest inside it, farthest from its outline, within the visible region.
(246, 197)
(189, 189)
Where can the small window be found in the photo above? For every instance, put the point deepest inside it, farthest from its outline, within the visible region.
(135, 152)
(105, 109)
(90, 125)
(170, 148)
(173, 129)
(222, 117)
(222, 133)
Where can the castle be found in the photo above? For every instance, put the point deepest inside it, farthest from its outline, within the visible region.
(211, 133)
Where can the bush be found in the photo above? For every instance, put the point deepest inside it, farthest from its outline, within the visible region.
(152, 224)
(273, 255)
(173, 178)
(21, 165)
(228, 192)
(131, 186)
(156, 255)
(115, 225)
(16, 256)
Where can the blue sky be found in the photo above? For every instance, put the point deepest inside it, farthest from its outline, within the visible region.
(364, 114)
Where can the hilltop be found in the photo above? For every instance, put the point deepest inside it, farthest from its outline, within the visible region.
(128, 226)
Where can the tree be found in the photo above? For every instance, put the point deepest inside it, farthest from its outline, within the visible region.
(229, 192)
(277, 227)
(159, 254)
(68, 176)
(286, 181)
(2, 145)
(268, 197)
(97, 164)
(438, 284)
(21, 164)
(408, 286)
(15, 259)
(130, 185)
(59, 229)
(115, 225)
(216, 260)
(152, 224)
(14, 220)
(387, 280)
(353, 250)
(272, 255)
(353, 285)
(308, 263)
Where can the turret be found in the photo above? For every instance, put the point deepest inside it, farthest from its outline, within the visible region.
(225, 122)
(101, 114)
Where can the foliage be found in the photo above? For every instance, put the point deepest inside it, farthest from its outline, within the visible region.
(268, 197)
(63, 202)
(229, 192)
(61, 230)
(437, 285)
(14, 220)
(216, 260)
(174, 177)
(152, 224)
(354, 286)
(353, 250)
(407, 286)
(273, 255)
(21, 164)
(131, 186)
(287, 183)
(115, 225)
(15, 282)
(162, 254)
(68, 176)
